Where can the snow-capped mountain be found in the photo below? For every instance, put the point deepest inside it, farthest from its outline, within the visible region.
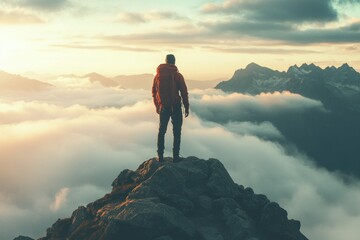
(331, 137)
(333, 86)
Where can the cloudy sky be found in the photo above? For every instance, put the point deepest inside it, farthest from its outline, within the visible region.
(117, 37)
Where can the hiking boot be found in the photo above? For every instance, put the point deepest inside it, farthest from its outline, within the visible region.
(160, 158)
(176, 159)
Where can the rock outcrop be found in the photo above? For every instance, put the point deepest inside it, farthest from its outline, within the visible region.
(193, 199)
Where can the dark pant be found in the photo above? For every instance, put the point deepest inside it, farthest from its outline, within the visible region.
(176, 119)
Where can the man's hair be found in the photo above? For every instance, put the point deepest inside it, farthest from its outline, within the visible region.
(170, 58)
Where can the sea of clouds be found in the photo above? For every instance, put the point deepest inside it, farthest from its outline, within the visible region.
(62, 148)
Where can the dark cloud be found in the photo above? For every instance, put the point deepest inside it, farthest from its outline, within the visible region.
(340, 35)
(44, 5)
(213, 34)
(249, 26)
(277, 10)
(355, 27)
(280, 20)
(286, 32)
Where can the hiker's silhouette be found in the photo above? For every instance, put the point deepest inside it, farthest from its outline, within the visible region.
(167, 84)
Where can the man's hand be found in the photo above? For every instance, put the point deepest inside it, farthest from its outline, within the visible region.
(186, 112)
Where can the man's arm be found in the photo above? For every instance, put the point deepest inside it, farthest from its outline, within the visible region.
(183, 92)
(154, 92)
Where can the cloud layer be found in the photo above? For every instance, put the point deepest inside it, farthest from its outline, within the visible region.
(136, 18)
(43, 5)
(220, 107)
(16, 17)
(283, 20)
(277, 10)
(58, 154)
(246, 26)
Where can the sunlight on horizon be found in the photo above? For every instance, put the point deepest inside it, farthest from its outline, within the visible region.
(114, 38)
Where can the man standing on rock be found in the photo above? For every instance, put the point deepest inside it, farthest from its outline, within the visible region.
(168, 82)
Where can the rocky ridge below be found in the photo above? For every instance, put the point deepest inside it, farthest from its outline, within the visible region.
(193, 199)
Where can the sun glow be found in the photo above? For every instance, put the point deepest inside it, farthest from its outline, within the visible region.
(8, 47)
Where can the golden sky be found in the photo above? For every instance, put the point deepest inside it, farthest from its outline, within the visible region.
(211, 39)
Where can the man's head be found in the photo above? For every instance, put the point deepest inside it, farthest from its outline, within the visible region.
(170, 58)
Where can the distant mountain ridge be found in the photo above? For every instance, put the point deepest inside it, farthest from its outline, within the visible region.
(333, 86)
(105, 81)
(15, 82)
(330, 137)
(142, 81)
(136, 81)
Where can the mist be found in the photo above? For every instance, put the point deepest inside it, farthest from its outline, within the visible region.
(62, 149)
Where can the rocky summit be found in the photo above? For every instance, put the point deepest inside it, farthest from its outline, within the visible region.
(193, 199)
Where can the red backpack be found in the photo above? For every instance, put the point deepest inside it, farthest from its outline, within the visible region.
(166, 89)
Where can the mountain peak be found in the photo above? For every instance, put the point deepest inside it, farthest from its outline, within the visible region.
(192, 199)
(302, 70)
(96, 77)
(308, 80)
(346, 67)
(295, 70)
(94, 74)
(309, 67)
(15, 82)
(253, 66)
